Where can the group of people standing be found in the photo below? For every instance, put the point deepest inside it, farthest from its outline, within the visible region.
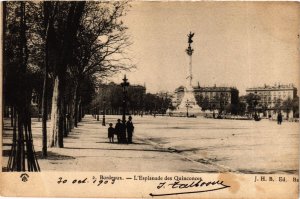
(123, 131)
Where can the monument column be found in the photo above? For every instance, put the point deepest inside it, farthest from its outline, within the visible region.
(190, 51)
(188, 105)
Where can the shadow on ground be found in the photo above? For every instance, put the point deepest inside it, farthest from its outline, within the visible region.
(39, 155)
(121, 149)
(53, 156)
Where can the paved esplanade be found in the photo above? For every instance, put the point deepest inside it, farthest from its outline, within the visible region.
(176, 144)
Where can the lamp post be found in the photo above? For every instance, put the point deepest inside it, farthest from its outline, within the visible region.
(103, 119)
(124, 85)
(187, 108)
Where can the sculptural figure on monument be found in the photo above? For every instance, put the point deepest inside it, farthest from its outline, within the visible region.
(190, 36)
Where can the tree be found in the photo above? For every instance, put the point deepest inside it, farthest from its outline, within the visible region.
(205, 104)
(278, 105)
(232, 108)
(18, 76)
(223, 101)
(264, 108)
(287, 106)
(60, 49)
(242, 108)
(252, 101)
(199, 99)
(100, 46)
(296, 106)
(136, 98)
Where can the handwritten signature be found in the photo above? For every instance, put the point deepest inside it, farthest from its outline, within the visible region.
(188, 187)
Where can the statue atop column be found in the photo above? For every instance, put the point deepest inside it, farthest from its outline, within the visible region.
(189, 50)
(190, 36)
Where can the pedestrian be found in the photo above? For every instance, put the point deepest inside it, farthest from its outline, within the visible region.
(111, 132)
(130, 129)
(118, 129)
(123, 133)
(279, 118)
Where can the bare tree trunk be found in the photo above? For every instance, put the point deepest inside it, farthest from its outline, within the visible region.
(4, 20)
(71, 113)
(72, 108)
(62, 112)
(12, 161)
(79, 110)
(45, 111)
(68, 127)
(76, 108)
(32, 163)
(65, 122)
(57, 114)
(11, 116)
(54, 126)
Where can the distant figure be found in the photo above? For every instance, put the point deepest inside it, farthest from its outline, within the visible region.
(118, 129)
(111, 132)
(279, 118)
(130, 129)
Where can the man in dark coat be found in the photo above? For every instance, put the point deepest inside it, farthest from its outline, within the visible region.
(118, 130)
(123, 132)
(279, 118)
(130, 128)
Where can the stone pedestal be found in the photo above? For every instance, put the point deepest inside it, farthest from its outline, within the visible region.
(188, 105)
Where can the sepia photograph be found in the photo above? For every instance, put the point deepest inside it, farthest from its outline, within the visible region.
(170, 93)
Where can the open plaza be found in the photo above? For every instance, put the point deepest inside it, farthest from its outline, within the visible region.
(172, 144)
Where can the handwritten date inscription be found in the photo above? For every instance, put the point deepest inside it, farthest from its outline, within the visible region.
(94, 180)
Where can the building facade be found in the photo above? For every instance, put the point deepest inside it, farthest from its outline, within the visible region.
(212, 95)
(272, 97)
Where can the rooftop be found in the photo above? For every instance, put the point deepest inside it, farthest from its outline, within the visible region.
(274, 87)
(208, 88)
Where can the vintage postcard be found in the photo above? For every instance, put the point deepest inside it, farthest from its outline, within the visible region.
(150, 99)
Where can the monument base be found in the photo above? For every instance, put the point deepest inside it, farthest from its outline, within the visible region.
(188, 106)
(183, 113)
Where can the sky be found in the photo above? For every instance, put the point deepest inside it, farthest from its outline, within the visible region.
(238, 44)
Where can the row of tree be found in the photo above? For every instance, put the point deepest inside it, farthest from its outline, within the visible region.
(61, 51)
(250, 104)
(109, 98)
(218, 102)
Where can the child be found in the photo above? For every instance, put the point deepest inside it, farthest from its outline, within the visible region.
(111, 133)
